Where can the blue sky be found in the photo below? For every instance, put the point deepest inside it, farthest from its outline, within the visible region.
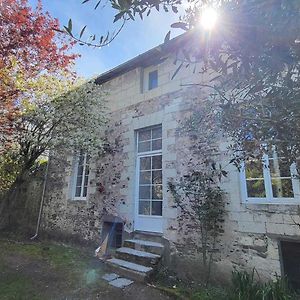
(137, 37)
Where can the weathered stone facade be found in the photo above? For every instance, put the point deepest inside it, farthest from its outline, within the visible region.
(251, 231)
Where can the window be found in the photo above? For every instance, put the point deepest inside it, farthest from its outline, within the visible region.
(150, 193)
(152, 80)
(80, 176)
(270, 180)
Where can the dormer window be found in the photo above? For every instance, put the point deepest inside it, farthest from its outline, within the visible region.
(152, 80)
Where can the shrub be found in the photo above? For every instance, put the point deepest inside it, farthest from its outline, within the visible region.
(246, 287)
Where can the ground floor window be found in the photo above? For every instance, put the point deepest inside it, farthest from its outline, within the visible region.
(271, 179)
(80, 175)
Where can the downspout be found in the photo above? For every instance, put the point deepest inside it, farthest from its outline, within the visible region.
(41, 203)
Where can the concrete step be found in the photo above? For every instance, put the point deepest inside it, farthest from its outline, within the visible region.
(147, 246)
(137, 256)
(131, 270)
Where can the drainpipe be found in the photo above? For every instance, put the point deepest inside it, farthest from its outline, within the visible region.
(41, 203)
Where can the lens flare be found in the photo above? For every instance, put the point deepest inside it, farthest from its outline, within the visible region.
(209, 18)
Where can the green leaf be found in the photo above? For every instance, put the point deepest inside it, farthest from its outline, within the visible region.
(82, 31)
(68, 31)
(118, 16)
(70, 25)
(167, 37)
(175, 10)
(181, 25)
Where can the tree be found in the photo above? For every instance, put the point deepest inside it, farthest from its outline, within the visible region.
(55, 114)
(30, 46)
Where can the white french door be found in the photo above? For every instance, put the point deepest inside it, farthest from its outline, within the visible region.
(149, 181)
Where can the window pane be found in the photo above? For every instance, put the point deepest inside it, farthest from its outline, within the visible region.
(144, 208)
(145, 163)
(279, 168)
(144, 135)
(282, 188)
(144, 146)
(157, 192)
(256, 188)
(153, 80)
(78, 191)
(156, 145)
(156, 162)
(84, 191)
(80, 159)
(144, 192)
(156, 208)
(254, 169)
(86, 179)
(145, 177)
(157, 177)
(79, 181)
(80, 171)
(156, 133)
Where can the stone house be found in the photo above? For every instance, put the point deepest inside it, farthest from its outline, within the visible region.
(125, 190)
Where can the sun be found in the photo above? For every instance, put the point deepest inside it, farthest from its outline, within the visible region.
(209, 18)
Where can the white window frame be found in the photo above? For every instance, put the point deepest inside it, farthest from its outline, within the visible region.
(74, 177)
(269, 199)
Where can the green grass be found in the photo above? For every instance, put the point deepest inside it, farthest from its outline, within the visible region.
(69, 267)
(17, 287)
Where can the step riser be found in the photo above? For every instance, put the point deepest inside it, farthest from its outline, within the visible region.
(148, 237)
(146, 248)
(145, 261)
(137, 276)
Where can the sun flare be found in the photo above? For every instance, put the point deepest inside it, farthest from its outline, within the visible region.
(209, 18)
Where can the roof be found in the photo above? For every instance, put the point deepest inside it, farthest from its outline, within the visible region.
(152, 56)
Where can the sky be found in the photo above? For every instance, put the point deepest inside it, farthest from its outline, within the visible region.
(137, 36)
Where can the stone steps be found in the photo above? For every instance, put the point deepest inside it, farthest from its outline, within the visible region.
(128, 269)
(143, 245)
(138, 258)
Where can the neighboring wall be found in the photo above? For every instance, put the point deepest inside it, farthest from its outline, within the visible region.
(251, 232)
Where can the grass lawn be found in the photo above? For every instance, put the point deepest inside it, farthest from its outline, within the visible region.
(48, 270)
(45, 270)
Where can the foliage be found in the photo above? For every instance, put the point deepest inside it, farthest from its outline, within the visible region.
(56, 113)
(30, 47)
(245, 286)
(255, 55)
(201, 200)
(9, 170)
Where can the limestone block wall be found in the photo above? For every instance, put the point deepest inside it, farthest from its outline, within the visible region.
(251, 232)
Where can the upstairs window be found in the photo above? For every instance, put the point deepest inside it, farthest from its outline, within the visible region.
(152, 80)
(80, 176)
(270, 180)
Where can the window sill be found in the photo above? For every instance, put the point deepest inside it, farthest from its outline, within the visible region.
(284, 201)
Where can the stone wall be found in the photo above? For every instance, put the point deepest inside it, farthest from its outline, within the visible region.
(251, 232)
